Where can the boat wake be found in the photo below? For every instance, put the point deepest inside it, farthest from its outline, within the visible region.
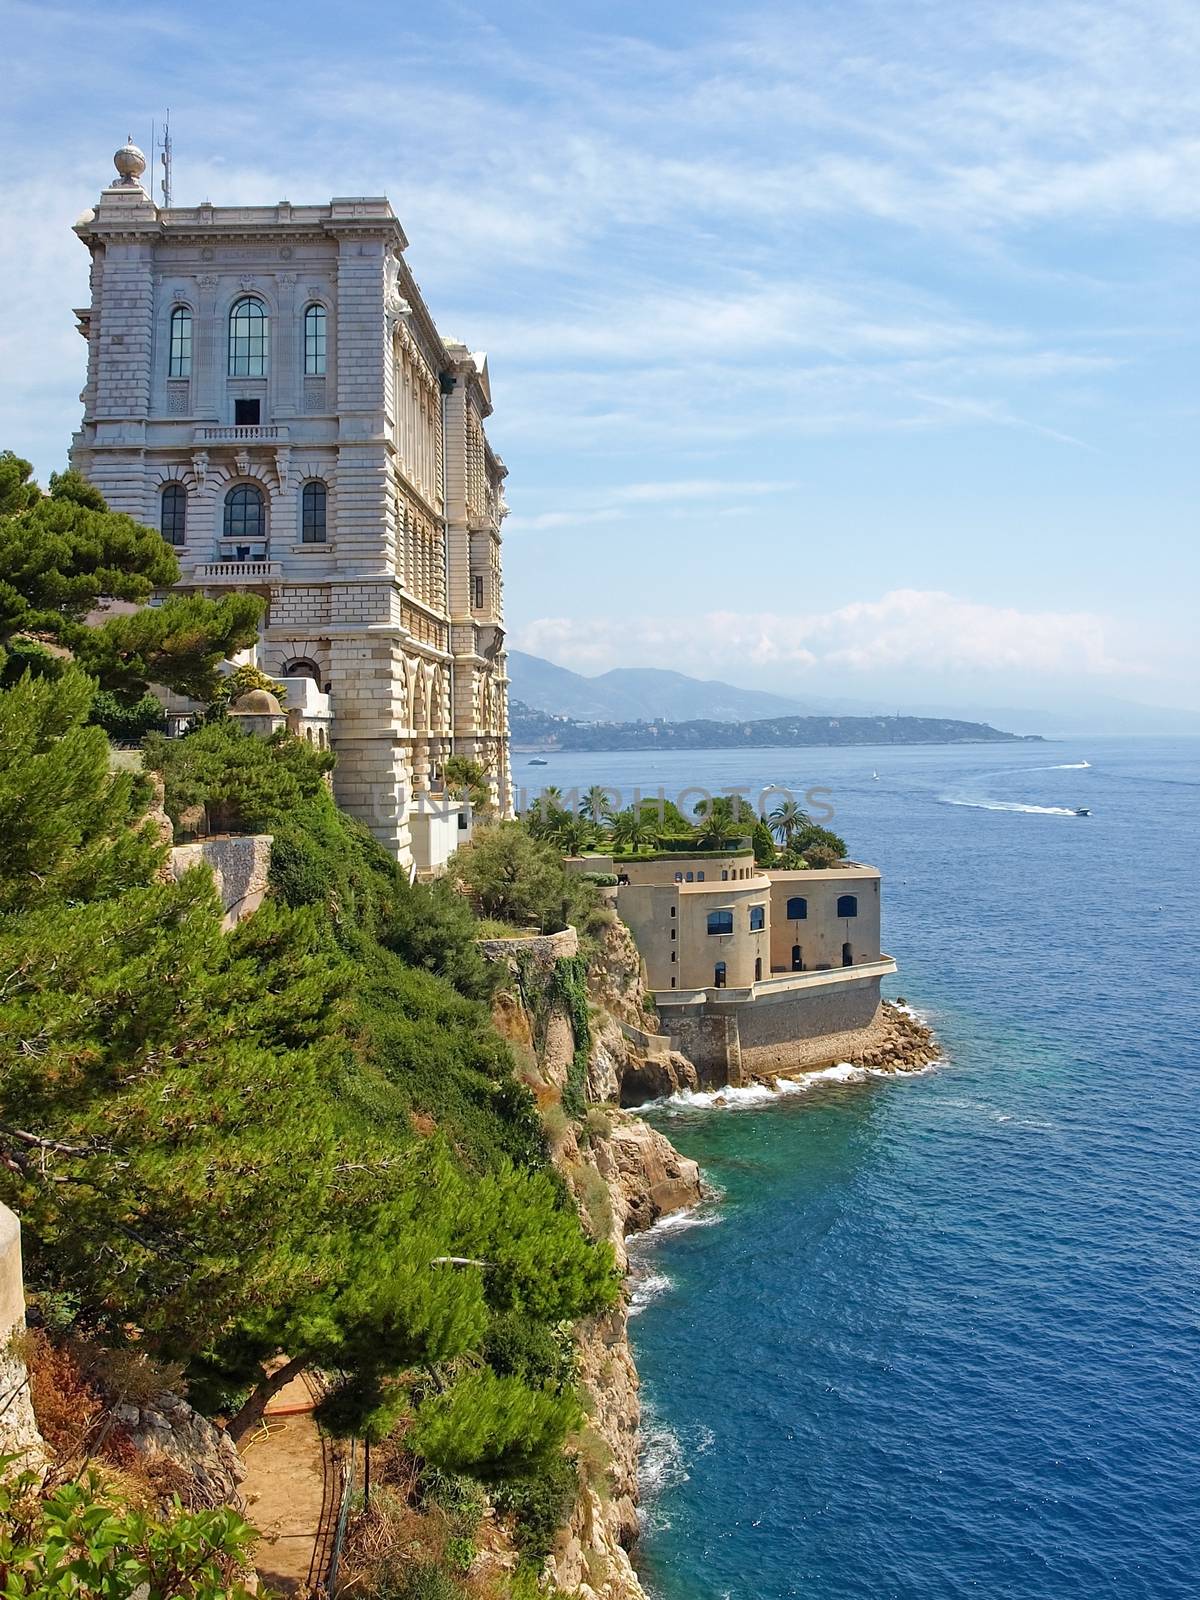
(1069, 766)
(1009, 805)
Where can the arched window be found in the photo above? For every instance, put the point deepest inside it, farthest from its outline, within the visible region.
(720, 922)
(313, 503)
(847, 955)
(797, 908)
(758, 969)
(248, 338)
(679, 877)
(244, 513)
(688, 877)
(719, 975)
(179, 361)
(699, 877)
(302, 667)
(172, 521)
(314, 341)
(797, 958)
(758, 918)
(847, 905)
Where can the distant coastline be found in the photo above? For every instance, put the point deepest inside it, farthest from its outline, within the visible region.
(538, 732)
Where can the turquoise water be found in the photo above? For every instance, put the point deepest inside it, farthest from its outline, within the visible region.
(940, 1336)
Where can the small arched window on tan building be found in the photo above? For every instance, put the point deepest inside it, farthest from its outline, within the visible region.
(797, 908)
(720, 922)
(847, 905)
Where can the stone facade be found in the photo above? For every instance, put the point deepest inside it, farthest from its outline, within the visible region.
(266, 385)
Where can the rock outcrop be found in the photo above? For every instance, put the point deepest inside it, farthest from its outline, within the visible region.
(202, 1461)
(625, 1176)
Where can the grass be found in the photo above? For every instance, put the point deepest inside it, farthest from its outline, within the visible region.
(490, 928)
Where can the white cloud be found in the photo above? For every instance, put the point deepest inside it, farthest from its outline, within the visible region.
(906, 629)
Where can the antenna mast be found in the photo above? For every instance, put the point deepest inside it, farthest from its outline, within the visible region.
(166, 160)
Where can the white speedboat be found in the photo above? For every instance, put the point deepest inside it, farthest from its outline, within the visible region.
(1083, 811)
(539, 762)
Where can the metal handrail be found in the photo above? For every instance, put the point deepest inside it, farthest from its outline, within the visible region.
(339, 1537)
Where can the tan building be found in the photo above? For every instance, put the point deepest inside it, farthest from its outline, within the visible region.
(267, 387)
(753, 969)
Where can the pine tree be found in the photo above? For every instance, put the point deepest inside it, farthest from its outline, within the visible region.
(63, 554)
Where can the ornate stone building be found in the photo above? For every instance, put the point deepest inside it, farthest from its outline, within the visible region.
(266, 385)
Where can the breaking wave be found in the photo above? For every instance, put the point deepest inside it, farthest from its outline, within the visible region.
(752, 1095)
(647, 1288)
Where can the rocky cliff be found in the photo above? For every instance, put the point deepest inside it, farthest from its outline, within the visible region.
(625, 1176)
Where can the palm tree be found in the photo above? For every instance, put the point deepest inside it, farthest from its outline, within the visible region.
(632, 829)
(723, 817)
(571, 833)
(787, 820)
(594, 805)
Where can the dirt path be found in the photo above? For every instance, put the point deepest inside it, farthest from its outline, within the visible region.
(290, 1490)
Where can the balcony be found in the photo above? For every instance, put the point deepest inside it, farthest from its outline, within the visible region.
(260, 434)
(234, 574)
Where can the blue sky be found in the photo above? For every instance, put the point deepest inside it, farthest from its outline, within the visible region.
(845, 346)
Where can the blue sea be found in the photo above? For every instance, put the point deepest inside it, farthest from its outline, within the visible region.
(939, 1335)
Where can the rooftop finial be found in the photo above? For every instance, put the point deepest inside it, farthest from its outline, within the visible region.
(130, 164)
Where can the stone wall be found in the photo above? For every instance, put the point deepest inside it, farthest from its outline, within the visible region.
(543, 950)
(803, 1027)
(240, 867)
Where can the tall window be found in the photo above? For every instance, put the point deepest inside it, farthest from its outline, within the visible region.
(173, 514)
(248, 338)
(314, 341)
(720, 922)
(847, 905)
(179, 364)
(244, 513)
(719, 975)
(758, 919)
(797, 908)
(313, 503)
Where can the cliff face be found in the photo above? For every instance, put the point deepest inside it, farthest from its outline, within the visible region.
(625, 1176)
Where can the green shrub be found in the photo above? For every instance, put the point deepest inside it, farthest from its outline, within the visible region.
(517, 1346)
(459, 1553)
(70, 1542)
(540, 1502)
(425, 1581)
